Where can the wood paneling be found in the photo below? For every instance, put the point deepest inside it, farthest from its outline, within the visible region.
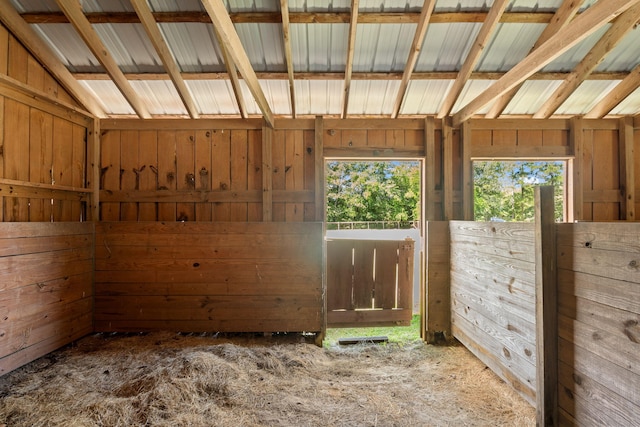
(438, 294)
(599, 313)
(45, 288)
(492, 298)
(236, 277)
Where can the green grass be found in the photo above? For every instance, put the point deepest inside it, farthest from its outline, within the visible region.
(396, 334)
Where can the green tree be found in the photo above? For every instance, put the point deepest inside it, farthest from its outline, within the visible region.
(373, 191)
(505, 189)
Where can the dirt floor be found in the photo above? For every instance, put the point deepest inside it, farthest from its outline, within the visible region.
(168, 379)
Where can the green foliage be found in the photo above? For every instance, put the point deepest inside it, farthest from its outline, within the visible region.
(373, 191)
(396, 334)
(505, 190)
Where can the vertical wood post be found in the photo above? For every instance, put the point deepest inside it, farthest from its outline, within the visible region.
(627, 172)
(575, 187)
(93, 170)
(429, 193)
(319, 168)
(467, 172)
(438, 290)
(447, 196)
(546, 310)
(267, 176)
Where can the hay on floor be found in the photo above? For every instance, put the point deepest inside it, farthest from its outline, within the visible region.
(167, 379)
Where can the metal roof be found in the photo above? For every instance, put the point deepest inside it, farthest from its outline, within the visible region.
(319, 37)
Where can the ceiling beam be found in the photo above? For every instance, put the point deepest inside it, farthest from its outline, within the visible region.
(470, 62)
(153, 31)
(355, 5)
(73, 10)
(295, 17)
(618, 94)
(232, 74)
(286, 36)
(229, 37)
(432, 75)
(581, 27)
(28, 37)
(623, 25)
(565, 13)
(414, 51)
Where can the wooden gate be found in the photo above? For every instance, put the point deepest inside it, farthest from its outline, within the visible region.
(369, 282)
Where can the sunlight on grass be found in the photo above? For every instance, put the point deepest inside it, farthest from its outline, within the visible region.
(396, 334)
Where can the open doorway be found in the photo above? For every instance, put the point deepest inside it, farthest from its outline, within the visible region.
(373, 217)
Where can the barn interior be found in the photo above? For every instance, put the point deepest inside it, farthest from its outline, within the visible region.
(162, 169)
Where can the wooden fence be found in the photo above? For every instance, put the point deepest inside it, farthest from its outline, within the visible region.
(46, 288)
(227, 277)
(369, 282)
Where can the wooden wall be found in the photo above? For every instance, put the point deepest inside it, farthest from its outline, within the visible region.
(228, 276)
(598, 323)
(46, 288)
(436, 322)
(493, 298)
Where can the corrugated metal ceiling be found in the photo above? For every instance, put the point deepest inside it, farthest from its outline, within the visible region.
(319, 55)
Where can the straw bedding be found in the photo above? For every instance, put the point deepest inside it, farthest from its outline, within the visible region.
(167, 379)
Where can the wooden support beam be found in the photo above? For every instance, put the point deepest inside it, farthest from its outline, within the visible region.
(564, 14)
(355, 4)
(232, 73)
(438, 284)
(286, 36)
(447, 167)
(153, 31)
(416, 45)
(220, 18)
(319, 169)
(267, 174)
(73, 11)
(467, 172)
(582, 26)
(481, 41)
(575, 186)
(546, 309)
(430, 169)
(93, 169)
(622, 26)
(626, 87)
(27, 36)
(627, 169)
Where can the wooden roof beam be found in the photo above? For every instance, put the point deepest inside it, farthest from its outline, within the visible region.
(416, 45)
(229, 38)
(581, 27)
(286, 36)
(232, 73)
(73, 11)
(23, 32)
(565, 13)
(153, 31)
(295, 17)
(623, 25)
(355, 5)
(622, 90)
(493, 18)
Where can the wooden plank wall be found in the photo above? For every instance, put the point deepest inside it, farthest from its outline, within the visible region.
(228, 277)
(493, 298)
(205, 171)
(599, 318)
(46, 288)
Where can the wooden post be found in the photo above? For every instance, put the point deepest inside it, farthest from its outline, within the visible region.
(467, 172)
(93, 171)
(267, 175)
(575, 187)
(447, 167)
(319, 168)
(429, 193)
(438, 299)
(546, 310)
(627, 172)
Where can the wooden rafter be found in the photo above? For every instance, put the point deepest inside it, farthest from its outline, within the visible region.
(623, 25)
(232, 74)
(153, 31)
(355, 5)
(565, 13)
(229, 38)
(416, 45)
(582, 26)
(12, 20)
(433, 75)
(286, 36)
(73, 11)
(493, 18)
(295, 17)
(625, 88)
